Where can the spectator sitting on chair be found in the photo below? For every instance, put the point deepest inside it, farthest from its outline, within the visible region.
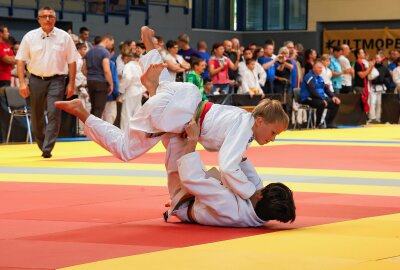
(315, 93)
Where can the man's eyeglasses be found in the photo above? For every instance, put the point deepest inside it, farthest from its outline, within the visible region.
(47, 17)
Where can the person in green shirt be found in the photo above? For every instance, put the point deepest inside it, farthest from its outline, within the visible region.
(194, 76)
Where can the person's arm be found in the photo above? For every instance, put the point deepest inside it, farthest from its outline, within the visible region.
(23, 87)
(69, 91)
(8, 59)
(363, 74)
(185, 65)
(269, 64)
(213, 70)
(262, 74)
(234, 66)
(230, 156)
(173, 66)
(107, 74)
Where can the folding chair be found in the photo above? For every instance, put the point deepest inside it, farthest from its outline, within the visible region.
(17, 107)
(310, 111)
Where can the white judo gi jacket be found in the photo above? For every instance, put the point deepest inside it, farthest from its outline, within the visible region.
(215, 204)
(226, 129)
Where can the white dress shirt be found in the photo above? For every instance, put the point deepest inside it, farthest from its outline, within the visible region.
(345, 63)
(47, 54)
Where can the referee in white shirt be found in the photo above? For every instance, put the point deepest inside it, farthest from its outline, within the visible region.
(51, 56)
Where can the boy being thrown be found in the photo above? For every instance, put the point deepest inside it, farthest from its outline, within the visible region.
(226, 129)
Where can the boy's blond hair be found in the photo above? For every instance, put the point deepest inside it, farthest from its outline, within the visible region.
(272, 112)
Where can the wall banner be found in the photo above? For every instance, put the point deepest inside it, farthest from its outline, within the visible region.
(368, 39)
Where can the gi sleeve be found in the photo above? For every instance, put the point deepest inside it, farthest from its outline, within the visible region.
(123, 145)
(251, 173)
(230, 156)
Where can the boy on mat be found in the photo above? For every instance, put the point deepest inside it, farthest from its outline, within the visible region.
(226, 129)
(201, 198)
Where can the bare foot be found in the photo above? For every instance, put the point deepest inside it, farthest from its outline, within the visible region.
(73, 107)
(147, 38)
(150, 78)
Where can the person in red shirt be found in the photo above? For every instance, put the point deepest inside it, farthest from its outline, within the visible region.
(7, 62)
(7, 58)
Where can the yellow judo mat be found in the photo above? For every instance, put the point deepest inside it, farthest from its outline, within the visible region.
(369, 239)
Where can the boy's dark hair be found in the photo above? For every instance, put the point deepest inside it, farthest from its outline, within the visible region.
(171, 43)
(206, 80)
(80, 45)
(337, 48)
(141, 45)
(196, 61)
(277, 204)
(248, 61)
(83, 29)
(97, 40)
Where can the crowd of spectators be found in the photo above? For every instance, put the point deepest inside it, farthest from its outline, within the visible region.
(104, 77)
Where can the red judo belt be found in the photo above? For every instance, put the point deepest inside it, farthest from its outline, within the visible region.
(202, 110)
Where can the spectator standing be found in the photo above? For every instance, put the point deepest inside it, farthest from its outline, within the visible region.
(326, 72)
(132, 90)
(317, 95)
(234, 56)
(218, 67)
(202, 50)
(348, 71)
(242, 68)
(99, 77)
(7, 62)
(379, 84)
(84, 35)
(110, 110)
(283, 68)
(250, 83)
(394, 56)
(360, 76)
(194, 76)
(396, 76)
(268, 63)
(50, 54)
(176, 65)
(310, 56)
(336, 69)
(185, 50)
(81, 82)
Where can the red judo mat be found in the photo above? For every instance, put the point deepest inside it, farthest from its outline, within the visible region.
(48, 226)
(335, 157)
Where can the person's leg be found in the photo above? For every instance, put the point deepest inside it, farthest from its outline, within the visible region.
(154, 69)
(55, 92)
(110, 112)
(378, 106)
(317, 104)
(331, 114)
(175, 150)
(38, 91)
(372, 105)
(100, 98)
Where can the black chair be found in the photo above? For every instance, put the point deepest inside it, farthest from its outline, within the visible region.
(17, 107)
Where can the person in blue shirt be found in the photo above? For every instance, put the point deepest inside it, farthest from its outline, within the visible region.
(268, 63)
(317, 95)
(336, 68)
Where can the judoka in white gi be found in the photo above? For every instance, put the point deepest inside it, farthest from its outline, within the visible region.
(202, 198)
(132, 90)
(226, 129)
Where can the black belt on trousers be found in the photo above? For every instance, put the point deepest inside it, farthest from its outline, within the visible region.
(43, 78)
